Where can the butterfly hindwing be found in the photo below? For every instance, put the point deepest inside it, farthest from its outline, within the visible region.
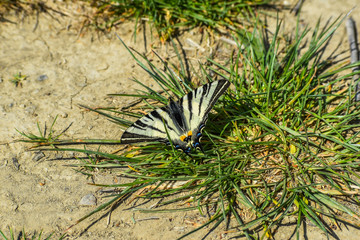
(183, 120)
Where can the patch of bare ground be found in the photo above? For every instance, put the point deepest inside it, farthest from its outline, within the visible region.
(63, 69)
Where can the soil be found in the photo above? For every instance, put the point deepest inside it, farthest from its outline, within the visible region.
(63, 69)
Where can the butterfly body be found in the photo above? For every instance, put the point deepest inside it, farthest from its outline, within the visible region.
(181, 121)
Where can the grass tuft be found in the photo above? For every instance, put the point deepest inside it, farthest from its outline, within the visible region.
(18, 79)
(22, 235)
(169, 17)
(24, 7)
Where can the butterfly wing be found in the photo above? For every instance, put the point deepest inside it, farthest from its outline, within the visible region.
(151, 127)
(183, 120)
(197, 104)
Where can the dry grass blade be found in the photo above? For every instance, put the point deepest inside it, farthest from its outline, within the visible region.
(354, 53)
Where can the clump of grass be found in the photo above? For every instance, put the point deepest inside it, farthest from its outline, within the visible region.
(18, 79)
(22, 235)
(169, 16)
(19, 6)
(166, 17)
(286, 143)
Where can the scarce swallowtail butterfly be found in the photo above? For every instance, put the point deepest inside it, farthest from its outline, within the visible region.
(184, 120)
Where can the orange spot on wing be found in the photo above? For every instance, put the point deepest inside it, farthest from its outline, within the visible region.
(189, 133)
(182, 137)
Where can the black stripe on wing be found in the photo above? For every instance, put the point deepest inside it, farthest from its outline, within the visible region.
(205, 91)
(221, 87)
(142, 124)
(129, 137)
(176, 113)
(144, 130)
(190, 98)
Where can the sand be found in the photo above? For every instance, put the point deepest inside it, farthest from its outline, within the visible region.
(64, 69)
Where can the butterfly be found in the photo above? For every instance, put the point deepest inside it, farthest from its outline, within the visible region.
(181, 121)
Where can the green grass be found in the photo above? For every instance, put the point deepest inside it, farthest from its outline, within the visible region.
(22, 235)
(18, 79)
(169, 17)
(283, 143)
(22, 6)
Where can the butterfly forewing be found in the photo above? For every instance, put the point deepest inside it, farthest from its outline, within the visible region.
(198, 103)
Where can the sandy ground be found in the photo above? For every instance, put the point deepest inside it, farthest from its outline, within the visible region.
(44, 194)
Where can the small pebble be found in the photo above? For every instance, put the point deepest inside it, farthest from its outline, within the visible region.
(30, 110)
(11, 105)
(88, 200)
(38, 155)
(71, 154)
(286, 3)
(42, 78)
(64, 115)
(16, 163)
(179, 229)
(84, 84)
